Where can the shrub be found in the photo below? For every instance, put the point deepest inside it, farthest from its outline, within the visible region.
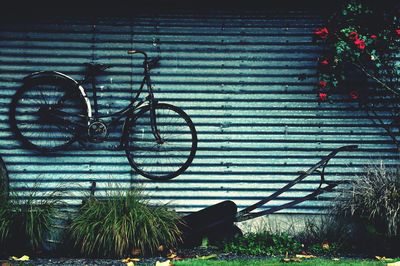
(361, 41)
(263, 243)
(122, 222)
(360, 38)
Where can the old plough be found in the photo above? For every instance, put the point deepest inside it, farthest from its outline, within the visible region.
(217, 221)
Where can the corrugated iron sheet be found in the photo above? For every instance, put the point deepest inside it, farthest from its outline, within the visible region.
(247, 81)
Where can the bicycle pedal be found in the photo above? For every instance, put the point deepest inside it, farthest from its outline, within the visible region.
(116, 148)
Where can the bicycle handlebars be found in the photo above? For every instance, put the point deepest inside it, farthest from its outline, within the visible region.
(138, 52)
(149, 64)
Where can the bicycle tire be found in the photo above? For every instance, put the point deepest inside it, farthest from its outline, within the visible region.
(28, 118)
(160, 161)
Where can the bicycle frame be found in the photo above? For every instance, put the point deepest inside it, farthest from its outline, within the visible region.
(133, 106)
(93, 113)
(121, 113)
(51, 111)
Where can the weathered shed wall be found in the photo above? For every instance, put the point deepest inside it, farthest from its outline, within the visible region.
(246, 79)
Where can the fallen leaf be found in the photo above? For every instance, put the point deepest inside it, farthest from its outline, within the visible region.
(164, 263)
(171, 255)
(130, 260)
(211, 256)
(23, 258)
(383, 258)
(397, 263)
(291, 260)
(301, 256)
(325, 246)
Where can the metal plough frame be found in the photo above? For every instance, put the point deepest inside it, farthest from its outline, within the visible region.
(245, 214)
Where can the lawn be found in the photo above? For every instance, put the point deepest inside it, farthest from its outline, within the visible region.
(323, 262)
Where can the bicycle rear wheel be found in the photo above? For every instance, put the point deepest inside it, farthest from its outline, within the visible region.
(46, 112)
(166, 160)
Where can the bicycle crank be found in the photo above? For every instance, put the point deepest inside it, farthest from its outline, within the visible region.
(97, 131)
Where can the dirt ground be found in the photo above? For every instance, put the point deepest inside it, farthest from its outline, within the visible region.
(181, 253)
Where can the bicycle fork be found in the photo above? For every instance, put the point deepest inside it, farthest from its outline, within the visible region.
(153, 122)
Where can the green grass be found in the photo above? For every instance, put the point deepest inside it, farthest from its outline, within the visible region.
(319, 262)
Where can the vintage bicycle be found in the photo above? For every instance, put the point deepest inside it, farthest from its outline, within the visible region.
(52, 110)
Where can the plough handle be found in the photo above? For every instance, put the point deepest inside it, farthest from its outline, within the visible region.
(245, 213)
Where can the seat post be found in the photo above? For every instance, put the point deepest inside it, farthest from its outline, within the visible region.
(92, 71)
(94, 90)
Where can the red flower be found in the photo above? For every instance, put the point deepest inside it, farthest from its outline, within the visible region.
(354, 95)
(322, 96)
(353, 36)
(373, 36)
(322, 32)
(398, 31)
(324, 62)
(360, 44)
(322, 84)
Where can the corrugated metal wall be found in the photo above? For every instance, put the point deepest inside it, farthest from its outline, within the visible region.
(247, 80)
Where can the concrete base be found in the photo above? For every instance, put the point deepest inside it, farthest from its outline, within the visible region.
(279, 223)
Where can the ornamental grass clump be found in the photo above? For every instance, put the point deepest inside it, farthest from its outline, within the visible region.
(371, 205)
(375, 196)
(121, 224)
(25, 220)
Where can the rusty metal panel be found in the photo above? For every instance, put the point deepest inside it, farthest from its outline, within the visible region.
(246, 80)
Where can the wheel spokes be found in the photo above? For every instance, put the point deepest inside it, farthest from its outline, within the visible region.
(47, 114)
(160, 159)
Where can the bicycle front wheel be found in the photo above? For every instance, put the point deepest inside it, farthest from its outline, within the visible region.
(46, 113)
(165, 159)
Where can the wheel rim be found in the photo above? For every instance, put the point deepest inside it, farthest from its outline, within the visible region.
(45, 112)
(169, 157)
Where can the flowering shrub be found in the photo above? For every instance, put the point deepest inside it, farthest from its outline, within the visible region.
(360, 43)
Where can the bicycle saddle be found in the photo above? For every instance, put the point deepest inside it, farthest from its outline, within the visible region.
(154, 62)
(93, 69)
